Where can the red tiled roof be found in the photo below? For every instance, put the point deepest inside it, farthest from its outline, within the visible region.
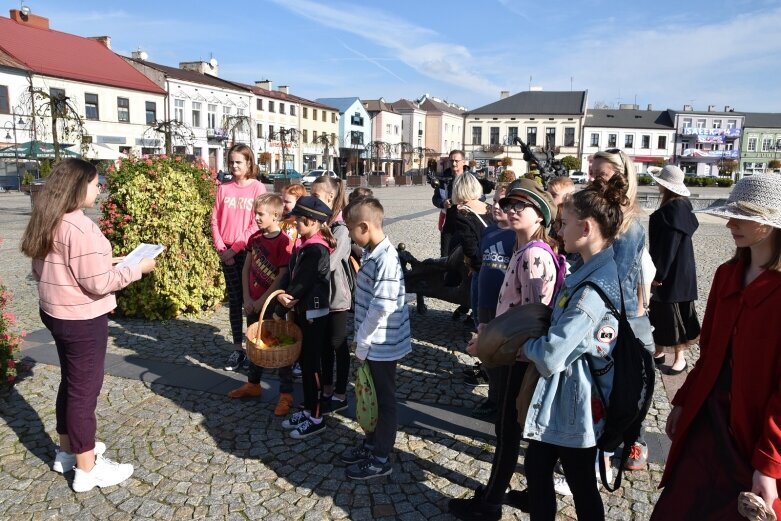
(63, 55)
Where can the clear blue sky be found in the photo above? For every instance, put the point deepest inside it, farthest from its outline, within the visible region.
(665, 52)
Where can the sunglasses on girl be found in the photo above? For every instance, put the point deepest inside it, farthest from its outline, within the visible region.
(516, 205)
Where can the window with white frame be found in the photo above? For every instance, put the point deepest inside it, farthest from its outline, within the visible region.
(629, 141)
(395, 130)
(211, 116)
(477, 136)
(595, 139)
(151, 112)
(716, 123)
(687, 122)
(304, 136)
(569, 136)
(292, 110)
(324, 113)
(196, 114)
(701, 123)
(550, 136)
(767, 144)
(494, 135)
(531, 136)
(123, 110)
(612, 139)
(512, 134)
(732, 123)
(281, 108)
(260, 129)
(5, 102)
(646, 142)
(661, 142)
(179, 110)
(388, 128)
(752, 144)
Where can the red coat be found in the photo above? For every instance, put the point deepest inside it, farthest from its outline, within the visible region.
(750, 320)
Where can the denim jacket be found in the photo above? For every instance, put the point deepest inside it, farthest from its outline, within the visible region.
(627, 254)
(565, 408)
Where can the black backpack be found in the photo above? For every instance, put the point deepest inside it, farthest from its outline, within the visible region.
(632, 392)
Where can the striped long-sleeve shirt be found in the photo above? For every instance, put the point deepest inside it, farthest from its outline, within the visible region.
(380, 288)
(76, 280)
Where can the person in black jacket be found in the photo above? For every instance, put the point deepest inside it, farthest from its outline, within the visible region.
(308, 292)
(442, 198)
(674, 288)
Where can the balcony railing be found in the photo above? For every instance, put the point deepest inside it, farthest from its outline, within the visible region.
(493, 149)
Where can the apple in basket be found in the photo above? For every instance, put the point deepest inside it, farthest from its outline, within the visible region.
(270, 340)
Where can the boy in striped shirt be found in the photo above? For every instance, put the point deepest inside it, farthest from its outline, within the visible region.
(382, 332)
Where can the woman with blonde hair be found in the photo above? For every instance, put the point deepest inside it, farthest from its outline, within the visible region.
(628, 253)
(77, 278)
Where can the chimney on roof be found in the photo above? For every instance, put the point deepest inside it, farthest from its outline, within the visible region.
(284, 88)
(204, 67)
(727, 108)
(105, 40)
(650, 107)
(263, 84)
(711, 108)
(139, 55)
(24, 16)
(535, 88)
(688, 108)
(628, 106)
(504, 94)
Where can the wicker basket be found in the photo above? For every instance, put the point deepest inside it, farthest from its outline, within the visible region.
(273, 357)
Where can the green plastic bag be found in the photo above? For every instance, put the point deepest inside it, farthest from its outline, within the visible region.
(365, 399)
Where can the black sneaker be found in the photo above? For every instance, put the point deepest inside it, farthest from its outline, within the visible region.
(478, 379)
(332, 405)
(235, 360)
(485, 409)
(368, 469)
(518, 499)
(474, 509)
(356, 454)
(308, 428)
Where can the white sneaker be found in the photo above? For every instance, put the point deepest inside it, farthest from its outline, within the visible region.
(560, 485)
(65, 461)
(105, 473)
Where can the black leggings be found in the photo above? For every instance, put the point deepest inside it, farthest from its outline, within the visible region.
(235, 296)
(508, 433)
(311, 350)
(335, 347)
(578, 467)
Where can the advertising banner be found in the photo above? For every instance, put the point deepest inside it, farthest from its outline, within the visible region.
(716, 154)
(712, 135)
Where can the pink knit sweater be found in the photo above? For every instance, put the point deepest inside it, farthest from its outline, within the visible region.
(232, 218)
(76, 280)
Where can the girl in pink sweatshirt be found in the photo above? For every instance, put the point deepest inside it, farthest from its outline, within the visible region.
(233, 222)
(77, 278)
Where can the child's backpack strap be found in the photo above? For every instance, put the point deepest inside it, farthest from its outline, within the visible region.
(558, 260)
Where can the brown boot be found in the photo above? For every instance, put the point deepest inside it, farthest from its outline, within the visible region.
(284, 404)
(246, 391)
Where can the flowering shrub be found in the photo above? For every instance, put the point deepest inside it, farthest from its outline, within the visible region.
(168, 201)
(9, 341)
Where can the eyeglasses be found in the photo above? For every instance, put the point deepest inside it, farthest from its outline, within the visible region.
(456, 160)
(516, 206)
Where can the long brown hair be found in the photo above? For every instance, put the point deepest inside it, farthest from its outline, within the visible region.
(337, 187)
(64, 192)
(669, 195)
(249, 156)
(744, 254)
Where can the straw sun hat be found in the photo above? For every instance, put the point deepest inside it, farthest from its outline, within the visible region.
(756, 198)
(670, 177)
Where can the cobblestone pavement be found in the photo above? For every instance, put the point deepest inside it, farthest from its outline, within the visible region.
(201, 455)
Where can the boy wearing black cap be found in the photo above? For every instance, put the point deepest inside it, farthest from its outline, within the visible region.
(307, 291)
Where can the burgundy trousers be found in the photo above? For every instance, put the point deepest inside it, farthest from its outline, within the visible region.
(81, 346)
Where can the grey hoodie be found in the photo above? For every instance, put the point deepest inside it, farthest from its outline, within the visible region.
(341, 296)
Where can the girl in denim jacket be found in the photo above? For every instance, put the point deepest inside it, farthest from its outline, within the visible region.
(566, 416)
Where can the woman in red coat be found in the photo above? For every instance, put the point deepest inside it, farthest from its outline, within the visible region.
(725, 425)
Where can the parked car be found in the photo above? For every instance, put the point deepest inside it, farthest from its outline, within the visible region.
(310, 176)
(281, 174)
(579, 178)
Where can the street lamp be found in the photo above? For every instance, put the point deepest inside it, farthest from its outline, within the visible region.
(8, 130)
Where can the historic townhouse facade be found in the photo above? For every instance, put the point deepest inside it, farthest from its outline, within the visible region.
(705, 139)
(646, 136)
(761, 143)
(319, 124)
(413, 130)
(115, 103)
(213, 113)
(354, 134)
(539, 118)
(386, 126)
(444, 128)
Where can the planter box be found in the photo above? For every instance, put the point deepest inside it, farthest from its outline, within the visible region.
(417, 179)
(378, 181)
(354, 181)
(402, 180)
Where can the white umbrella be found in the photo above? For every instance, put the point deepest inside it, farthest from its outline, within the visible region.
(97, 151)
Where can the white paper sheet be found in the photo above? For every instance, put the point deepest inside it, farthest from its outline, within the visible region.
(142, 251)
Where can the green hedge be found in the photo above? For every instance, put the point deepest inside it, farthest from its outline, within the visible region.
(165, 201)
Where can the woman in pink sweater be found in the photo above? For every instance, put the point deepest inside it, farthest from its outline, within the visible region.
(77, 278)
(233, 222)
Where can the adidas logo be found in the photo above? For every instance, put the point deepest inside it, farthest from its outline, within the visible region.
(495, 255)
